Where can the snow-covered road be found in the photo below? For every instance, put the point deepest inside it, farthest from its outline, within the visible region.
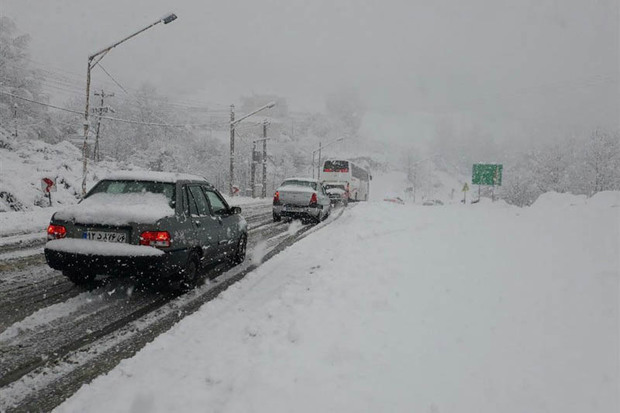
(55, 336)
(477, 308)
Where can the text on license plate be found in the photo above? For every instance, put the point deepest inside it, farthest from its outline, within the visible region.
(293, 208)
(105, 236)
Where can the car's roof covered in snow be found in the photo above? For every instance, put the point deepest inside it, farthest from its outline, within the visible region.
(302, 179)
(171, 177)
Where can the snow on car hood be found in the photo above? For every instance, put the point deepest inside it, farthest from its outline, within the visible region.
(115, 249)
(118, 209)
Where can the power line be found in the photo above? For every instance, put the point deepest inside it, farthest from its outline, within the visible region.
(40, 103)
(135, 122)
(74, 81)
(114, 80)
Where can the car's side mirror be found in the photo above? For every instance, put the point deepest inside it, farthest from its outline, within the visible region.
(235, 210)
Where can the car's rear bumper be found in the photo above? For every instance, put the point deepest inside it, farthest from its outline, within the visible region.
(293, 211)
(165, 265)
(337, 199)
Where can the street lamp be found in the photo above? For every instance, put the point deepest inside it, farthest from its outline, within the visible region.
(319, 149)
(233, 123)
(98, 56)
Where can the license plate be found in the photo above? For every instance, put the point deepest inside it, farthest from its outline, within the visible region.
(105, 236)
(293, 208)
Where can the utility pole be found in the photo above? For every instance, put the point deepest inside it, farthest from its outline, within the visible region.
(318, 167)
(15, 118)
(233, 123)
(253, 170)
(100, 110)
(264, 192)
(232, 149)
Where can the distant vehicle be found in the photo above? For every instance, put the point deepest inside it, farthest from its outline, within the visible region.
(159, 225)
(338, 192)
(395, 200)
(432, 202)
(346, 171)
(301, 198)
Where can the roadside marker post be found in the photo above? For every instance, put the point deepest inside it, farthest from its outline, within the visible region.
(465, 189)
(47, 186)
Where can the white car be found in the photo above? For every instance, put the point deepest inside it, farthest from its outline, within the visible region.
(338, 192)
(303, 198)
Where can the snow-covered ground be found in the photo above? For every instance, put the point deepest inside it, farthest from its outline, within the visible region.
(403, 308)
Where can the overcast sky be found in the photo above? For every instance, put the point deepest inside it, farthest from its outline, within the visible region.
(538, 62)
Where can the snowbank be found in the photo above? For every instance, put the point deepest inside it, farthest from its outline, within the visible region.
(453, 309)
(556, 200)
(606, 199)
(26, 163)
(24, 222)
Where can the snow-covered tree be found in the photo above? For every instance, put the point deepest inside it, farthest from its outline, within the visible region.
(17, 77)
(602, 162)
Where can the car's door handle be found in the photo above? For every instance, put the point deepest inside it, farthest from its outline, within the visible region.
(223, 242)
(197, 223)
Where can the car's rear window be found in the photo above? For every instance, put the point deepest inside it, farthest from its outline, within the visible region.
(330, 186)
(133, 187)
(296, 182)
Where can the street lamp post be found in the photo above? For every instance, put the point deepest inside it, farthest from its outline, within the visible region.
(233, 124)
(93, 60)
(264, 181)
(319, 149)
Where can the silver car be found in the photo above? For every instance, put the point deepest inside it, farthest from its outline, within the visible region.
(303, 198)
(163, 226)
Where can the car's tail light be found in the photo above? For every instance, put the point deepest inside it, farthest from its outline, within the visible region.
(314, 200)
(276, 198)
(56, 232)
(327, 170)
(155, 238)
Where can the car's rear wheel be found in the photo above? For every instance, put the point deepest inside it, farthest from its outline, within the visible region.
(276, 217)
(318, 218)
(239, 255)
(79, 277)
(189, 274)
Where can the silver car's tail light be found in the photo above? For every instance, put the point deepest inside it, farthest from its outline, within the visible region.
(314, 200)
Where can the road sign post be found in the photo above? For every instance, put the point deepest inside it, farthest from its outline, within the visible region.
(47, 186)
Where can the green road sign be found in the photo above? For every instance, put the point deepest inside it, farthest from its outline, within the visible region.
(487, 174)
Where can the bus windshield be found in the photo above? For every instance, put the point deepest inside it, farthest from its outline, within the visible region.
(336, 166)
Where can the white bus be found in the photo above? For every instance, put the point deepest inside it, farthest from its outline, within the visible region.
(342, 171)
